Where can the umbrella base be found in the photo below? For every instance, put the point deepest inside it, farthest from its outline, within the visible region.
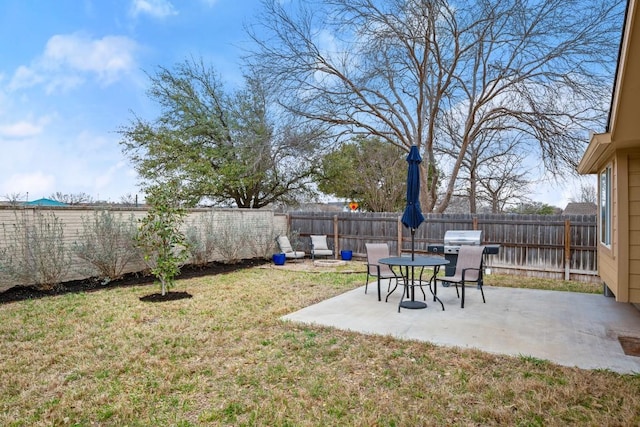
(413, 305)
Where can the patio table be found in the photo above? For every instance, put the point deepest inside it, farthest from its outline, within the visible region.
(409, 280)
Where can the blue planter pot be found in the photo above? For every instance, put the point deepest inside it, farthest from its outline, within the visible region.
(279, 259)
(346, 255)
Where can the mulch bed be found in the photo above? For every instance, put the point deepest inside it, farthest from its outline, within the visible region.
(168, 296)
(20, 293)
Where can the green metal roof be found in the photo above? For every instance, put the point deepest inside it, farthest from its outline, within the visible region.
(45, 202)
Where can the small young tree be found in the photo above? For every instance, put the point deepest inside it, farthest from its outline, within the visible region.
(107, 243)
(294, 238)
(159, 236)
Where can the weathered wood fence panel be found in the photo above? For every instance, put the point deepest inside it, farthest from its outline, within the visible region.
(540, 245)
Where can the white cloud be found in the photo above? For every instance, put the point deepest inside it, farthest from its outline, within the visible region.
(54, 160)
(107, 57)
(25, 77)
(106, 179)
(37, 184)
(88, 142)
(4, 99)
(561, 191)
(24, 128)
(108, 175)
(69, 59)
(155, 8)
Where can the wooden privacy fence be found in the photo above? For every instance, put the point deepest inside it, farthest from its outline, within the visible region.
(553, 246)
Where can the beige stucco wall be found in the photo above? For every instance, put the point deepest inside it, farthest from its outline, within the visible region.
(252, 228)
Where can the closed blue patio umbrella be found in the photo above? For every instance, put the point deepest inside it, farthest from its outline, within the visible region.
(412, 216)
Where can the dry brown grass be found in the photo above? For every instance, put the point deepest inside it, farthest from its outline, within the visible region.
(224, 357)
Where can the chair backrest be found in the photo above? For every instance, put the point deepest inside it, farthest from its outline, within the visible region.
(319, 243)
(469, 257)
(375, 251)
(285, 245)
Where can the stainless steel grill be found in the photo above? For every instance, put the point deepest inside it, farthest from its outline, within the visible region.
(453, 239)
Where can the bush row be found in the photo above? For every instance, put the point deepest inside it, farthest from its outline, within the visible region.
(36, 252)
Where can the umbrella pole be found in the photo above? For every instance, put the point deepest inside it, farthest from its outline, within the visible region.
(413, 235)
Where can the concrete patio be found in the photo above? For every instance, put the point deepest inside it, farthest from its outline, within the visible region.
(571, 329)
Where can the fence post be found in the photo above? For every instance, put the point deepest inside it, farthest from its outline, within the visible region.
(567, 249)
(475, 223)
(336, 245)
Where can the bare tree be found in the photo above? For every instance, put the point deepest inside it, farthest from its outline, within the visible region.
(492, 170)
(129, 199)
(71, 198)
(503, 182)
(587, 193)
(15, 199)
(403, 70)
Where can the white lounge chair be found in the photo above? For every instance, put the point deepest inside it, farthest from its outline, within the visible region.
(287, 249)
(319, 247)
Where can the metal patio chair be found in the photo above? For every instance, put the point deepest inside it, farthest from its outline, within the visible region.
(287, 249)
(319, 246)
(375, 251)
(468, 270)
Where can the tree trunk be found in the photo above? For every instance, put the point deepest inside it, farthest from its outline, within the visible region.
(473, 206)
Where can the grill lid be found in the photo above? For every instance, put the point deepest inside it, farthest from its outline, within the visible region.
(462, 237)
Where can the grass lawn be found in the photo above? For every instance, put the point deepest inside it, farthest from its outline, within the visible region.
(223, 357)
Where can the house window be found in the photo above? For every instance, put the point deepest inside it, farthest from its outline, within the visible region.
(605, 206)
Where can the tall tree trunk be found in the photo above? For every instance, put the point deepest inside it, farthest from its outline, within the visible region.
(473, 206)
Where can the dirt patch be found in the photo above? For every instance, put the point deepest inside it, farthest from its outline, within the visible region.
(307, 265)
(19, 293)
(630, 345)
(329, 262)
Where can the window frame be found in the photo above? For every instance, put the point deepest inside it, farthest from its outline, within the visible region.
(605, 206)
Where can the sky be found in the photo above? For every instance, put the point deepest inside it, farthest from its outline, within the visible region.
(72, 72)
